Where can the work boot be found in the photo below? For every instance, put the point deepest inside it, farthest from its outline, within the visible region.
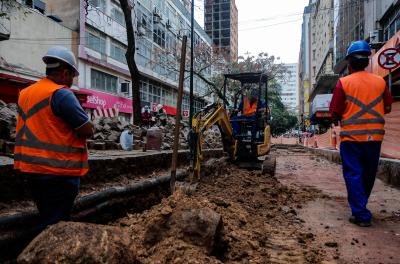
(354, 220)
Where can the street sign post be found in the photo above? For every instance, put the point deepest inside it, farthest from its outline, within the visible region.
(389, 59)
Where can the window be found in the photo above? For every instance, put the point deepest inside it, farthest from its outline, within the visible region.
(118, 16)
(96, 41)
(118, 52)
(98, 4)
(103, 81)
(159, 35)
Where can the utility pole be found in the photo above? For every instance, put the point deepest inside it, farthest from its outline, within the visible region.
(191, 99)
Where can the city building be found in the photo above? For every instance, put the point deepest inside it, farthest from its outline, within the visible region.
(95, 31)
(221, 24)
(160, 27)
(304, 70)
(289, 87)
(316, 60)
(26, 33)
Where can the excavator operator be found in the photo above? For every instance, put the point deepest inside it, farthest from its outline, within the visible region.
(248, 110)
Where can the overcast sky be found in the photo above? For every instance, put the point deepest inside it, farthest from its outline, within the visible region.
(267, 26)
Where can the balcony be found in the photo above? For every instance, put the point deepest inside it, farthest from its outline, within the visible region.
(106, 24)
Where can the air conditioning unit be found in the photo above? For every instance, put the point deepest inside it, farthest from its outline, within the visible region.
(125, 87)
(375, 36)
(157, 13)
(141, 31)
(168, 24)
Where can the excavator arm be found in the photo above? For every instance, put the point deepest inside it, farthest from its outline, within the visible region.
(214, 114)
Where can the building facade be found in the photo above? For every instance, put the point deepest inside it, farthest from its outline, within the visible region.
(221, 24)
(95, 31)
(22, 45)
(289, 87)
(304, 69)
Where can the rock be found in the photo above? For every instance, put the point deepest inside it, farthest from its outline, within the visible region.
(114, 136)
(331, 244)
(69, 242)
(198, 226)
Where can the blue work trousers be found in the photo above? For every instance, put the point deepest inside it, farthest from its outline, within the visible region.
(54, 196)
(360, 163)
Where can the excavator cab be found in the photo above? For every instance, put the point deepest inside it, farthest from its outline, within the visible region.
(250, 118)
(246, 136)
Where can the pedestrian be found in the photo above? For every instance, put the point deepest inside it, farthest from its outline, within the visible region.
(146, 117)
(161, 115)
(51, 133)
(360, 101)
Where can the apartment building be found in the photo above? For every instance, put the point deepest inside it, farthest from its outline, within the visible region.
(160, 26)
(26, 33)
(221, 24)
(304, 69)
(289, 87)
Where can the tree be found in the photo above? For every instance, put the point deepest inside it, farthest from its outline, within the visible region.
(127, 6)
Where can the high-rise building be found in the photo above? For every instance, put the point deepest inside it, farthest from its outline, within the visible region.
(289, 87)
(221, 24)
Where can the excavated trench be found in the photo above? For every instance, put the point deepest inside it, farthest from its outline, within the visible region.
(234, 215)
(117, 185)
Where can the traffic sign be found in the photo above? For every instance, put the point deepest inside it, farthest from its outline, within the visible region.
(389, 58)
(185, 113)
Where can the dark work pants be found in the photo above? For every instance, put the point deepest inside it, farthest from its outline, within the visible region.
(54, 196)
(360, 163)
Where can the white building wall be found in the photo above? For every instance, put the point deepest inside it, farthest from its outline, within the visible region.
(32, 34)
(289, 87)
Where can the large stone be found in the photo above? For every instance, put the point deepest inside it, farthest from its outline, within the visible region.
(69, 242)
(198, 226)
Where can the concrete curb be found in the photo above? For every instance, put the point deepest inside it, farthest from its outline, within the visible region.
(104, 166)
(388, 171)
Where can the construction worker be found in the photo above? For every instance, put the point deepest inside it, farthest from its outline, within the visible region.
(360, 101)
(248, 106)
(248, 109)
(51, 132)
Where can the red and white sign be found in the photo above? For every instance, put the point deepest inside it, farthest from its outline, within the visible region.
(389, 58)
(185, 113)
(103, 100)
(108, 112)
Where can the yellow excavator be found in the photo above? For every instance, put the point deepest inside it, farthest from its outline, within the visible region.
(246, 139)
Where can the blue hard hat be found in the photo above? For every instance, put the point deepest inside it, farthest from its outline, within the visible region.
(358, 47)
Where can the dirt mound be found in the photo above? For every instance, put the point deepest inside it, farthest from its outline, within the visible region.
(80, 243)
(234, 216)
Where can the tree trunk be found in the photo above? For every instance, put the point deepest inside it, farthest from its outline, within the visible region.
(126, 6)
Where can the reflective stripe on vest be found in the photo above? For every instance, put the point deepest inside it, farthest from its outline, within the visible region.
(33, 142)
(355, 119)
(363, 118)
(249, 109)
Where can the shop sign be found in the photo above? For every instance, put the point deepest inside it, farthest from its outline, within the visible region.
(103, 100)
(323, 114)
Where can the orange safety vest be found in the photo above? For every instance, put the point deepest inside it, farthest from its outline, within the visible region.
(249, 110)
(44, 143)
(363, 116)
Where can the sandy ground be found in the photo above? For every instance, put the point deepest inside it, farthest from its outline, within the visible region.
(327, 218)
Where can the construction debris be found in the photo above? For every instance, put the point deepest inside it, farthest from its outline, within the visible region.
(8, 120)
(107, 132)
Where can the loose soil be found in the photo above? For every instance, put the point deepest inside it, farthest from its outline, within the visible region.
(298, 216)
(259, 215)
